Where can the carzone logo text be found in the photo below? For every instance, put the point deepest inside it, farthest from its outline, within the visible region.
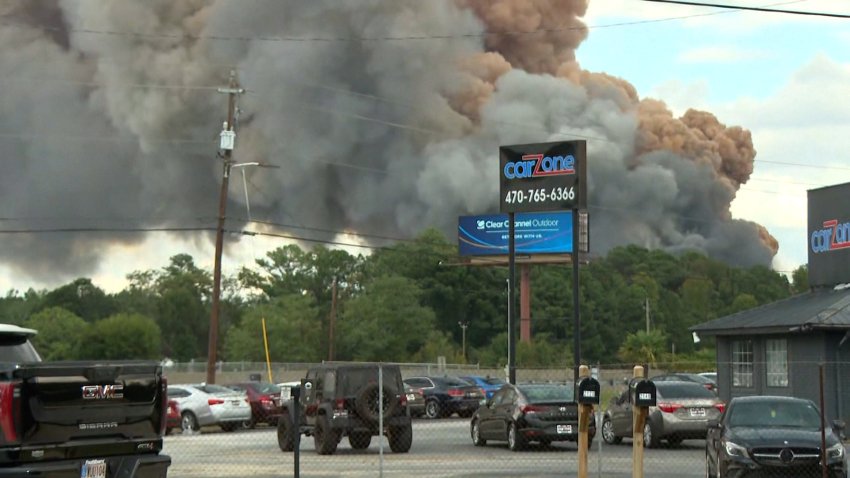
(538, 165)
(832, 237)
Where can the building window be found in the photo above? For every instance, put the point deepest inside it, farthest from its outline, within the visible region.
(777, 363)
(742, 363)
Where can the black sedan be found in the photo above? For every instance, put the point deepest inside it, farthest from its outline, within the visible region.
(771, 436)
(520, 414)
(445, 396)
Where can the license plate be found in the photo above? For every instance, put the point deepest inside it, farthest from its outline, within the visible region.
(697, 412)
(93, 469)
(564, 428)
(411, 397)
(235, 403)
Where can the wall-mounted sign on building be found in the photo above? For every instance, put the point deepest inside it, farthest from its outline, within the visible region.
(829, 235)
(543, 177)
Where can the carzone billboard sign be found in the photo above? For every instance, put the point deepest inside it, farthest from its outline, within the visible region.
(542, 177)
(829, 235)
(536, 233)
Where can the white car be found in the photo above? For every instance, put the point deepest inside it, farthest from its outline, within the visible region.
(203, 405)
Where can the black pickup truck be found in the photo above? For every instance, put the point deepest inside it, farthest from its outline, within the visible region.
(78, 419)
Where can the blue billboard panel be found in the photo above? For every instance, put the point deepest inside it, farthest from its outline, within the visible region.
(536, 233)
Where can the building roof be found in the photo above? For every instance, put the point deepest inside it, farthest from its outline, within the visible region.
(817, 309)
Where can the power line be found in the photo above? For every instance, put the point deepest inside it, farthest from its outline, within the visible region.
(754, 9)
(483, 34)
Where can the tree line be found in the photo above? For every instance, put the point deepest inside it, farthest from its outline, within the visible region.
(402, 303)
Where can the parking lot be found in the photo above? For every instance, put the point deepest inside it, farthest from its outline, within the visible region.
(441, 448)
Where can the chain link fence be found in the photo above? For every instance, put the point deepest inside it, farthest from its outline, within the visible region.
(446, 401)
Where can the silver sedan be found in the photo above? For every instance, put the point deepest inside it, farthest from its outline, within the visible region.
(204, 405)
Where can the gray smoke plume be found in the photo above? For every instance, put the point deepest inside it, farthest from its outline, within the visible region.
(384, 115)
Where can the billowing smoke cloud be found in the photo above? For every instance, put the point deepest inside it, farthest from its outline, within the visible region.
(384, 115)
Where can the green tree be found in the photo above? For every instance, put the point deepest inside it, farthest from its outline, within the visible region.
(743, 302)
(291, 327)
(800, 279)
(122, 337)
(60, 334)
(642, 347)
(82, 298)
(386, 322)
(439, 344)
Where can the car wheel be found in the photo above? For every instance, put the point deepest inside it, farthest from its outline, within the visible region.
(516, 441)
(475, 431)
(433, 409)
(608, 432)
(285, 434)
(188, 422)
(708, 473)
(360, 440)
(650, 440)
(400, 438)
(325, 439)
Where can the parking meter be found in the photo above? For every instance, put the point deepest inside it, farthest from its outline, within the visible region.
(295, 393)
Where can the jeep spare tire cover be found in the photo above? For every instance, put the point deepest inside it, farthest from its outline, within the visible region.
(367, 402)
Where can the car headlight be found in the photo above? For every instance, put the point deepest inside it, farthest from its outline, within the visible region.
(733, 449)
(835, 451)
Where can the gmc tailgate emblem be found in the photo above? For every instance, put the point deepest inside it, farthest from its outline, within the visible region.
(102, 392)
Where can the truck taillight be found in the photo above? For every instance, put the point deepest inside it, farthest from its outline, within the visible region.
(10, 409)
(163, 390)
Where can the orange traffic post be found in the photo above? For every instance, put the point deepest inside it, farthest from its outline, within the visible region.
(639, 419)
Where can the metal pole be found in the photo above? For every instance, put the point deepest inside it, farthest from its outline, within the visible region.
(824, 466)
(576, 317)
(381, 419)
(232, 90)
(512, 299)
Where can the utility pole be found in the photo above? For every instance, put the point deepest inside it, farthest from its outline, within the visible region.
(226, 145)
(331, 321)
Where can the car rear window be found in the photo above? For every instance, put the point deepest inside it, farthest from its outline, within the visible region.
(17, 348)
(670, 390)
(215, 389)
(452, 382)
(266, 388)
(548, 393)
(352, 380)
(494, 381)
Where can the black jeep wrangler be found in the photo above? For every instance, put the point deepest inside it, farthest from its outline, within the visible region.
(342, 399)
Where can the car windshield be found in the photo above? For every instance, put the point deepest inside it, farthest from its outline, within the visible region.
(548, 393)
(785, 414)
(670, 390)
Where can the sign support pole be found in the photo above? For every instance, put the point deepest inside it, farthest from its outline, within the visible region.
(576, 316)
(511, 298)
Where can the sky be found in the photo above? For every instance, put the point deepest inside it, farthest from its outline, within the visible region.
(784, 77)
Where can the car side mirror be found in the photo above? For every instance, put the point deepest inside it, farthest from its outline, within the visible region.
(838, 425)
(713, 423)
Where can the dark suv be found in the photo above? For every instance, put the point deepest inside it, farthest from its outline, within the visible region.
(339, 400)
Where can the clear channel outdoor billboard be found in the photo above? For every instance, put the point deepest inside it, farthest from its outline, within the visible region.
(829, 235)
(536, 233)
